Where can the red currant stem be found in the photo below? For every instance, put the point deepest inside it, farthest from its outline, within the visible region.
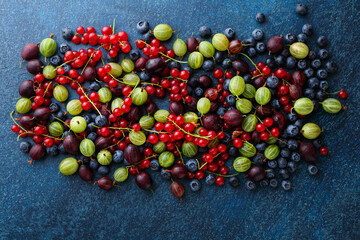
(163, 54)
(102, 60)
(154, 155)
(153, 84)
(202, 165)
(259, 75)
(245, 45)
(17, 98)
(11, 115)
(113, 27)
(21, 62)
(62, 122)
(194, 135)
(148, 130)
(134, 88)
(182, 160)
(87, 62)
(117, 79)
(45, 135)
(250, 61)
(217, 174)
(89, 99)
(177, 78)
(66, 63)
(116, 128)
(333, 93)
(26, 132)
(47, 88)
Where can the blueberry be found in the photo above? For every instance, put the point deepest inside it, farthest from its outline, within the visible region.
(285, 52)
(165, 174)
(205, 32)
(257, 34)
(173, 64)
(321, 96)
(250, 185)
(233, 151)
(273, 183)
(331, 67)
(280, 60)
(299, 123)
(312, 55)
(321, 73)
(260, 47)
(272, 164)
(302, 64)
(322, 41)
(272, 82)
(226, 63)
(126, 163)
(318, 143)
(92, 136)
(285, 153)
(199, 92)
(291, 167)
(208, 65)
(67, 68)
(94, 165)
(313, 83)
(191, 165)
(301, 9)
(86, 117)
(154, 165)
(283, 142)
(251, 52)
(61, 148)
(309, 72)
(103, 170)
(309, 93)
(67, 33)
(100, 121)
(323, 54)
(63, 48)
(145, 76)
(324, 85)
(270, 173)
(264, 183)
(290, 38)
(226, 84)
(292, 143)
(55, 60)
(316, 63)
(260, 146)
(282, 163)
(148, 37)
(219, 56)
(295, 156)
(112, 59)
(25, 146)
(227, 137)
(307, 29)
(302, 37)
(292, 130)
(247, 78)
(286, 185)
(95, 86)
(53, 150)
(284, 173)
(275, 103)
(118, 156)
(210, 179)
(259, 159)
(292, 117)
(229, 33)
(85, 160)
(231, 100)
(143, 26)
(54, 107)
(250, 41)
(195, 185)
(60, 115)
(234, 181)
(134, 54)
(260, 17)
(90, 127)
(221, 111)
(290, 62)
(312, 170)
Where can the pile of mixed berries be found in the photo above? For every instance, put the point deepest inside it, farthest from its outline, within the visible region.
(227, 115)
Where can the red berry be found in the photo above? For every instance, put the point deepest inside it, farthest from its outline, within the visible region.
(275, 132)
(342, 94)
(268, 122)
(80, 30)
(15, 128)
(260, 127)
(219, 181)
(324, 151)
(237, 142)
(264, 136)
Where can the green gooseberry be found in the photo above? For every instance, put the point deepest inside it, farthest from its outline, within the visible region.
(263, 95)
(206, 49)
(131, 79)
(331, 105)
(220, 42)
(74, 107)
(163, 32)
(105, 95)
(121, 174)
(139, 96)
(237, 85)
(271, 140)
(147, 122)
(190, 117)
(179, 47)
(189, 149)
(127, 65)
(203, 105)
(23, 105)
(304, 106)
(56, 129)
(249, 123)
(247, 150)
(311, 131)
(116, 69)
(271, 152)
(60, 93)
(195, 60)
(87, 147)
(244, 105)
(68, 166)
(166, 159)
(159, 147)
(116, 103)
(299, 50)
(48, 47)
(161, 115)
(104, 157)
(242, 164)
(78, 124)
(49, 72)
(249, 91)
(137, 138)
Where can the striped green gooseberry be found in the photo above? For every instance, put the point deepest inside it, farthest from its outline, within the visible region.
(163, 32)
(179, 47)
(74, 107)
(161, 115)
(116, 69)
(60, 93)
(220, 42)
(206, 49)
(299, 50)
(262, 95)
(68, 166)
(127, 65)
(104, 157)
(237, 85)
(23, 105)
(195, 60)
(331, 105)
(311, 131)
(203, 105)
(242, 164)
(105, 95)
(304, 106)
(121, 174)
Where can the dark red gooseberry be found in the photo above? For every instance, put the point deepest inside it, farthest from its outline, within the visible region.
(71, 144)
(179, 172)
(211, 94)
(177, 189)
(192, 44)
(143, 180)
(37, 152)
(85, 173)
(256, 173)
(26, 89)
(212, 122)
(275, 45)
(30, 51)
(176, 108)
(233, 117)
(132, 154)
(34, 66)
(105, 183)
(308, 152)
(241, 67)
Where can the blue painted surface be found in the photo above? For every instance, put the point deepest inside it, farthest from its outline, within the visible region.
(37, 204)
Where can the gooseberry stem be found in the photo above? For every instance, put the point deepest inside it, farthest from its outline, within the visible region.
(89, 100)
(163, 54)
(217, 174)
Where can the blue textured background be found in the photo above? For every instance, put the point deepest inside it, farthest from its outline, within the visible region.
(37, 204)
